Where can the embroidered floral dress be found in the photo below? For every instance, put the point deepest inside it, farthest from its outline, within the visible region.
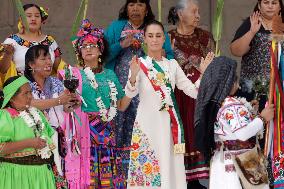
(21, 46)
(13, 128)
(234, 127)
(188, 50)
(153, 163)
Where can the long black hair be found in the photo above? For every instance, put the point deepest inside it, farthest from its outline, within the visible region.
(123, 11)
(42, 15)
(281, 8)
(31, 55)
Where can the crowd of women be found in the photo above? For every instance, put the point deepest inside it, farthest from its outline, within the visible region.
(150, 108)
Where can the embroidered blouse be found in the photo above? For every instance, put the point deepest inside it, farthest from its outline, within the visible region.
(21, 47)
(53, 87)
(90, 94)
(235, 122)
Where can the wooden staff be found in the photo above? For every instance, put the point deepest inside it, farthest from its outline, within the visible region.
(270, 99)
(277, 37)
(160, 10)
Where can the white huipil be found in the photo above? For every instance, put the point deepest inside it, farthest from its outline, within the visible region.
(234, 122)
(153, 163)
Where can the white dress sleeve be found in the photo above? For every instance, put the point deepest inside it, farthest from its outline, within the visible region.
(182, 82)
(10, 41)
(250, 130)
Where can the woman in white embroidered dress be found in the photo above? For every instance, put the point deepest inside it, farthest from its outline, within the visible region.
(230, 122)
(153, 162)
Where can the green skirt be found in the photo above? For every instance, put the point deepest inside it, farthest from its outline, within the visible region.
(26, 176)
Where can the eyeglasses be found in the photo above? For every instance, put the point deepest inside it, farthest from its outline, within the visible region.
(90, 46)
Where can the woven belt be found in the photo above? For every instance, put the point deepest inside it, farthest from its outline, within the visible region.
(28, 160)
(237, 144)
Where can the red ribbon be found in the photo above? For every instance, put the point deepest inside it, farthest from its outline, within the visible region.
(174, 123)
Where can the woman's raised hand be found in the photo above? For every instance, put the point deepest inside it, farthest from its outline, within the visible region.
(127, 41)
(205, 62)
(8, 49)
(66, 97)
(268, 113)
(134, 68)
(255, 22)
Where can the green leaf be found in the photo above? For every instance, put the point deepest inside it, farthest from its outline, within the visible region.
(75, 27)
(22, 14)
(218, 24)
(78, 19)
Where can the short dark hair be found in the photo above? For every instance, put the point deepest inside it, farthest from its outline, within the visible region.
(281, 8)
(42, 15)
(123, 11)
(153, 22)
(31, 55)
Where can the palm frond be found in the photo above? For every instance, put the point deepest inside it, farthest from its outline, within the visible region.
(85, 8)
(19, 6)
(218, 24)
(160, 10)
(75, 27)
(78, 19)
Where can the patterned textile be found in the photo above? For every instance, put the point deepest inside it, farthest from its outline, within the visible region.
(124, 120)
(236, 115)
(52, 88)
(105, 165)
(144, 169)
(52, 85)
(60, 181)
(188, 52)
(48, 40)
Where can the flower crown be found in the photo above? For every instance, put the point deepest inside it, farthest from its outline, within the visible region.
(88, 32)
(43, 13)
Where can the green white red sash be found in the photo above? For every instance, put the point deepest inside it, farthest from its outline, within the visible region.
(176, 123)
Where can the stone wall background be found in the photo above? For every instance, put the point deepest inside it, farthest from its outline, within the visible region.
(62, 14)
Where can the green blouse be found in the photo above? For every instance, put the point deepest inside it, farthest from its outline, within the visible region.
(13, 129)
(90, 94)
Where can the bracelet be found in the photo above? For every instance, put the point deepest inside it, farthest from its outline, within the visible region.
(2, 145)
(59, 101)
(132, 83)
(262, 119)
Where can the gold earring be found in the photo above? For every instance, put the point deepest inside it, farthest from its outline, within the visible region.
(100, 60)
